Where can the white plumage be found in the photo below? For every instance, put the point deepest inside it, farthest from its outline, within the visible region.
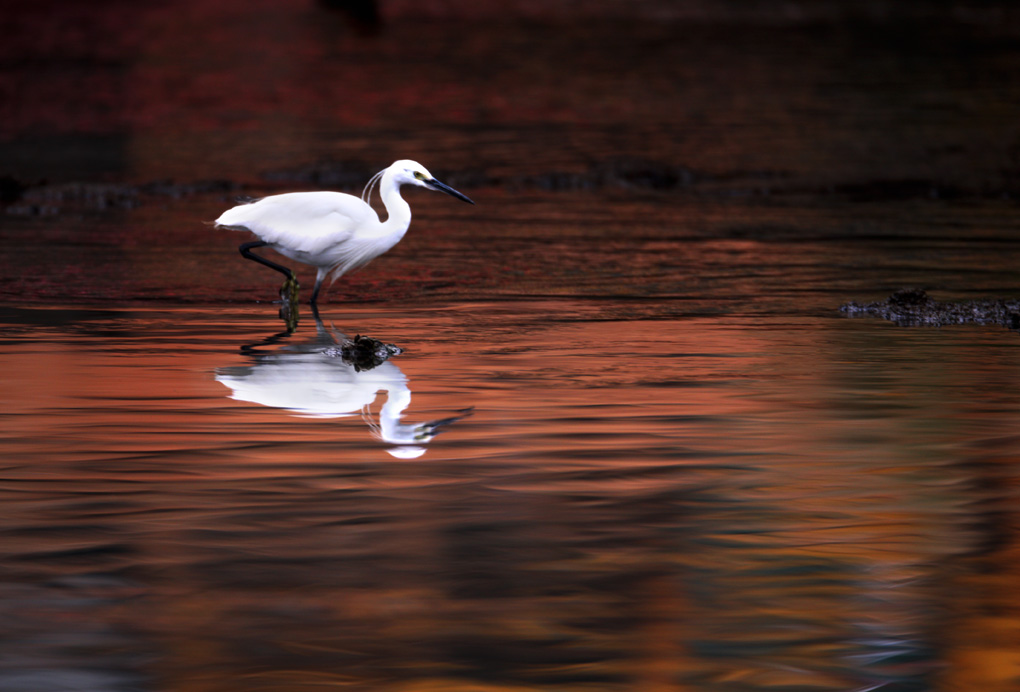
(331, 231)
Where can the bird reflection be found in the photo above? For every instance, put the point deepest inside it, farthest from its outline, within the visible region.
(331, 376)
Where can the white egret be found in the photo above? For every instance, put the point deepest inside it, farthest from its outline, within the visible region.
(332, 231)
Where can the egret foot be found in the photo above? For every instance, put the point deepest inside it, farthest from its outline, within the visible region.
(290, 290)
(289, 313)
(289, 310)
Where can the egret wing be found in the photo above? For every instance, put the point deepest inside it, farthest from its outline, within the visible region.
(307, 222)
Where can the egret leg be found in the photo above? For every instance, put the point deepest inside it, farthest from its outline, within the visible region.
(318, 284)
(289, 290)
(246, 251)
(289, 313)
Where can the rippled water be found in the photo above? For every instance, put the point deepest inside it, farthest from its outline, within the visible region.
(193, 500)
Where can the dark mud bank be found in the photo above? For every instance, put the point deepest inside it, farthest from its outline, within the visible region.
(629, 175)
(41, 198)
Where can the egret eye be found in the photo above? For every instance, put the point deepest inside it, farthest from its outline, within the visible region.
(419, 175)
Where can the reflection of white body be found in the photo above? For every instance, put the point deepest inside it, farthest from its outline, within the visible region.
(308, 382)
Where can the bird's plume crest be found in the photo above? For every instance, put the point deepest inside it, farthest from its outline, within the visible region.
(366, 195)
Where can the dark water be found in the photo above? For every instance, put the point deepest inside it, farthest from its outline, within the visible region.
(664, 460)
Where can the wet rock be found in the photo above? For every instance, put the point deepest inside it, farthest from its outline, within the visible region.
(169, 188)
(46, 199)
(914, 307)
(364, 352)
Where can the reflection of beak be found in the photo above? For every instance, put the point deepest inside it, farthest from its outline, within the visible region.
(436, 185)
(426, 431)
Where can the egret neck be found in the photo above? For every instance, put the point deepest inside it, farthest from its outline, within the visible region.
(398, 211)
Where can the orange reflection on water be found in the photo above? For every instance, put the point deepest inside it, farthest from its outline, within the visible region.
(635, 502)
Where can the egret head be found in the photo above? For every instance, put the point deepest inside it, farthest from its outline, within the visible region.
(413, 173)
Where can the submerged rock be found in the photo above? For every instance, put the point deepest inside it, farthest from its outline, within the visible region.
(914, 307)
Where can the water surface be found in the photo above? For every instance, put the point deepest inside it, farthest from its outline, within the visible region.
(648, 502)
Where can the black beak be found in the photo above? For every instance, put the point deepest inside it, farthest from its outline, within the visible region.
(436, 185)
